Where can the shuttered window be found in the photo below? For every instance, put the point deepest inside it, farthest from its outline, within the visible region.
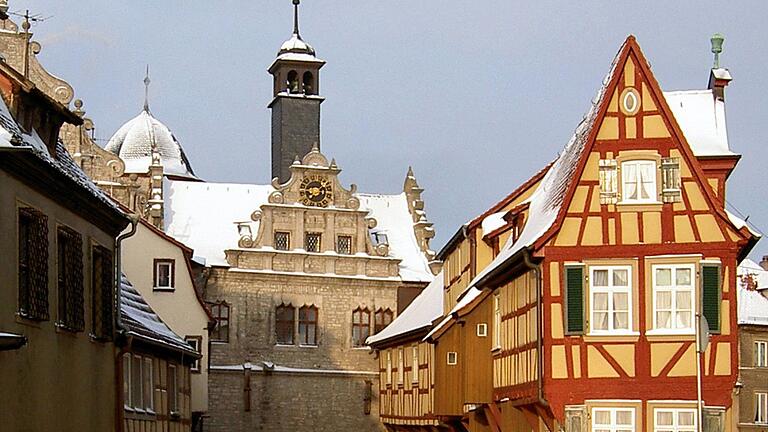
(574, 299)
(710, 295)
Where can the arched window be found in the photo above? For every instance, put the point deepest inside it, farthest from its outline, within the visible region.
(285, 323)
(293, 82)
(308, 325)
(382, 319)
(220, 312)
(309, 83)
(361, 326)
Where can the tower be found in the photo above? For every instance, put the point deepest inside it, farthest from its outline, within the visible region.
(296, 103)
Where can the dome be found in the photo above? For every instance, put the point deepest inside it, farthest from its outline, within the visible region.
(296, 45)
(133, 144)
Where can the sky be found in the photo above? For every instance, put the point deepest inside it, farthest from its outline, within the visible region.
(476, 96)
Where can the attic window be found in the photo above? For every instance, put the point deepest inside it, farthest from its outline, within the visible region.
(452, 358)
(630, 101)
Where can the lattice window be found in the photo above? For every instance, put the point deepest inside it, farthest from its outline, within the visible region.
(382, 318)
(70, 279)
(220, 312)
(361, 326)
(102, 297)
(344, 244)
(282, 240)
(308, 325)
(312, 242)
(285, 323)
(33, 264)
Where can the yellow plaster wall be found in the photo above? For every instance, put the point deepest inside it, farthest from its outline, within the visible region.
(629, 73)
(661, 353)
(654, 127)
(695, 198)
(713, 183)
(591, 170)
(594, 205)
(686, 365)
(648, 104)
(725, 317)
(579, 199)
(629, 229)
(576, 355)
(613, 105)
(708, 228)
(554, 279)
(624, 356)
(723, 359)
(652, 227)
(609, 129)
(630, 127)
(569, 232)
(556, 320)
(559, 366)
(598, 366)
(683, 229)
(593, 231)
(612, 231)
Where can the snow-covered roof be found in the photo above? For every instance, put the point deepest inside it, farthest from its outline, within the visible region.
(142, 322)
(296, 45)
(493, 222)
(134, 140)
(425, 308)
(203, 216)
(753, 305)
(701, 117)
(740, 223)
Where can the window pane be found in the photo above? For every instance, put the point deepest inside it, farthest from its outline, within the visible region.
(600, 301)
(664, 418)
(621, 301)
(684, 320)
(683, 300)
(683, 277)
(600, 278)
(685, 418)
(620, 278)
(623, 417)
(664, 319)
(600, 321)
(602, 417)
(663, 277)
(621, 320)
(664, 300)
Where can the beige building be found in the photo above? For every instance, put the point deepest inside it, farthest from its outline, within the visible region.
(753, 346)
(57, 289)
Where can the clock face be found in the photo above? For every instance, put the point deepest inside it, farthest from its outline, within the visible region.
(315, 191)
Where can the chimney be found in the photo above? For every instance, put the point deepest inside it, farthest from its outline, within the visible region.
(719, 77)
(764, 262)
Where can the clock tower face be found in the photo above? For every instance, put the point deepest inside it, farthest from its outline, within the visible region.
(315, 191)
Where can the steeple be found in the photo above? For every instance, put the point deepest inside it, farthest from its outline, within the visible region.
(296, 102)
(146, 90)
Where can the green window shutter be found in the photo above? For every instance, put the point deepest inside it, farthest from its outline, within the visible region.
(710, 295)
(574, 299)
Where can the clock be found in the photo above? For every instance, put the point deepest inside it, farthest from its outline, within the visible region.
(315, 191)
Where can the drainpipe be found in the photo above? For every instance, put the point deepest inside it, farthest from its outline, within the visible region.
(540, 343)
(119, 329)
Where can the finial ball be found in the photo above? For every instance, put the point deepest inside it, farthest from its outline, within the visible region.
(296, 2)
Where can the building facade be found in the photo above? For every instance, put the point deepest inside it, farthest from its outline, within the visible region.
(753, 346)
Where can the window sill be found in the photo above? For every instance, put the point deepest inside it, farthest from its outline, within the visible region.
(65, 329)
(169, 289)
(29, 321)
(307, 346)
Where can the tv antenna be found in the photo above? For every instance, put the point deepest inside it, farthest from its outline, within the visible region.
(25, 25)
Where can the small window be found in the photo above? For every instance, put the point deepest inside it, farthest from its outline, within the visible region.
(389, 367)
(285, 323)
(638, 181)
(173, 389)
(400, 367)
(308, 325)
(378, 238)
(293, 82)
(70, 279)
(220, 312)
(630, 101)
(674, 420)
(196, 342)
(415, 365)
(452, 358)
(344, 244)
(482, 330)
(148, 384)
(102, 280)
(383, 318)
(312, 242)
(309, 87)
(282, 240)
(164, 273)
(137, 393)
(613, 419)
(761, 353)
(33, 264)
(361, 326)
(761, 407)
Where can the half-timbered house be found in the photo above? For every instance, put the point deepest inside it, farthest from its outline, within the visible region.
(591, 306)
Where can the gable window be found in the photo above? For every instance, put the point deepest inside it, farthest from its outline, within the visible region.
(220, 312)
(761, 353)
(164, 272)
(285, 324)
(196, 342)
(33, 264)
(638, 181)
(674, 420)
(761, 407)
(344, 244)
(101, 293)
(613, 419)
(611, 299)
(312, 242)
(673, 297)
(382, 318)
(282, 240)
(378, 238)
(308, 325)
(361, 326)
(70, 279)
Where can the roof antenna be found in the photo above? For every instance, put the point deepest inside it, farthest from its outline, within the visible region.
(717, 48)
(296, 17)
(146, 90)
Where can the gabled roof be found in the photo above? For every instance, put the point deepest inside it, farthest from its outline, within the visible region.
(418, 316)
(143, 323)
(753, 304)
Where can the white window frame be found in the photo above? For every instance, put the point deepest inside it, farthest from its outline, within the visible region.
(761, 353)
(654, 198)
(674, 290)
(610, 290)
(761, 407)
(482, 330)
(675, 426)
(196, 343)
(612, 427)
(415, 365)
(452, 358)
(496, 321)
(171, 264)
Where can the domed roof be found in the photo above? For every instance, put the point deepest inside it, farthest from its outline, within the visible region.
(133, 144)
(296, 45)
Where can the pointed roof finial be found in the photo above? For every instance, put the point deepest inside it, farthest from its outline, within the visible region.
(296, 17)
(146, 90)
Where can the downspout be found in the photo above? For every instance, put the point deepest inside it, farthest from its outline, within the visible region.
(119, 328)
(539, 315)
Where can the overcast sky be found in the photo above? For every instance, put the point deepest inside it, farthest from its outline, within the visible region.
(475, 95)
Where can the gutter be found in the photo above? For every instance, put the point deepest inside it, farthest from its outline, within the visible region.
(119, 328)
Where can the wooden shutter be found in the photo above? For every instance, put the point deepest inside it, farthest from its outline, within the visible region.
(609, 191)
(574, 299)
(670, 180)
(710, 295)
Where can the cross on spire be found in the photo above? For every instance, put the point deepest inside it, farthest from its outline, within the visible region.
(296, 17)
(146, 90)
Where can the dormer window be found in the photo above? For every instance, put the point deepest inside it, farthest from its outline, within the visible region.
(638, 181)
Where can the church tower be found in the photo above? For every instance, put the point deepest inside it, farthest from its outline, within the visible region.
(296, 103)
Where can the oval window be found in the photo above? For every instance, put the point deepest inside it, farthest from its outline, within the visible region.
(630, 101)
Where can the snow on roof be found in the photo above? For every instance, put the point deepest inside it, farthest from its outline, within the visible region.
(395, 220)
(133, 144)
(141, 321)
(753, 305)
(493, 222)
(425, 308)
(741, 223)
(295, 44)
(203, 215)
(271, 367)
(701, 117)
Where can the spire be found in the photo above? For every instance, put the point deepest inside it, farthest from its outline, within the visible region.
(296, 17)
(146, 90)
